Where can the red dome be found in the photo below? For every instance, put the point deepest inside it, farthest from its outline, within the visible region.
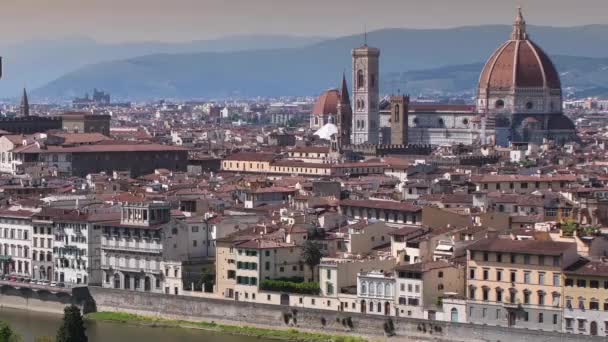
(519, 62)
(327, 103)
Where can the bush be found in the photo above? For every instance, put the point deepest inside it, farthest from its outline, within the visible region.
(7, 334)
(278, 285)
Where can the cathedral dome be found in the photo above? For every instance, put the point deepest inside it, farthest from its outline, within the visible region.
(327, 103)
(520, 77)
(519, 62)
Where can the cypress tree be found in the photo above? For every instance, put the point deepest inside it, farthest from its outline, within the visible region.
(72, 328)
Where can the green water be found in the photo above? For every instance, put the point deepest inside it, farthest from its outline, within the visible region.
(32, 324)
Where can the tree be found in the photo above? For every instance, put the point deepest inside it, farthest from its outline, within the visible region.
(312, 256)
(72, 328)
(7, 334)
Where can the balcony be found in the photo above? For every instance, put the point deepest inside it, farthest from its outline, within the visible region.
(131, 246)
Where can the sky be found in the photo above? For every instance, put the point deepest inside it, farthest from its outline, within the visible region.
(184, 20)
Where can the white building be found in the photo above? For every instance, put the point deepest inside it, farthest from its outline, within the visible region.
(15, 242)
(376, 292)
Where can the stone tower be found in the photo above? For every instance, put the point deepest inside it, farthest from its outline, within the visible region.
(366, 94)
(24, 108)
(399, 119)
(345, 116)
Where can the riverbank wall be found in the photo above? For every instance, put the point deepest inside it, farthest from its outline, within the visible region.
(273, 316)
(41, 301)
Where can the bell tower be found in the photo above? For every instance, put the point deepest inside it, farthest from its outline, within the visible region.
(366, 114)
(399, 119)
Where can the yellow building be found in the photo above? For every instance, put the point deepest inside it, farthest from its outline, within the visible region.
(517, 282)
(586, 298)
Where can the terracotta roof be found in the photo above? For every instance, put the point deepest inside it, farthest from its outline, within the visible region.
(390, 205)
(251, 156)
(553, 248)
(585, 267)
(524, 178)
(105, 148)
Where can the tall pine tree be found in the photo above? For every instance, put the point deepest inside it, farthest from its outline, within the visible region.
(72, 329)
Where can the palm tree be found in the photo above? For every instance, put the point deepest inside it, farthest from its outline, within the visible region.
(312, 256)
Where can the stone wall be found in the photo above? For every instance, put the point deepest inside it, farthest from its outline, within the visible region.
(205, 309)
(27, 299)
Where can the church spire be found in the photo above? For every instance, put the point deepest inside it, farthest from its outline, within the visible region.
(519, 27)
(344, 97)
(24, 109)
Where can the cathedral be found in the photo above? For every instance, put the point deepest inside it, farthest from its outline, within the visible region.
(519, 99)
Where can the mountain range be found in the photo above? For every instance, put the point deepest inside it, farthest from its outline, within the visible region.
(411, 60)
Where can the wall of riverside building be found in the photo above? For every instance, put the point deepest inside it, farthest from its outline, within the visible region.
(274, 316)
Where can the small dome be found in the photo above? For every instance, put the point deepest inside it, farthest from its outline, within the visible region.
(327, 103)
(519, 62)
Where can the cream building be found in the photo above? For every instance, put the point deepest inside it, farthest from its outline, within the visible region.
(517, 283)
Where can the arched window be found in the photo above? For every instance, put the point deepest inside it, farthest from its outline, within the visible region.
(396, 113)
(380, 290)
(454, 315)
(372, 289)
(500, 104)
(388, 291)
(529, 105)
(360, 79)
(363, 288)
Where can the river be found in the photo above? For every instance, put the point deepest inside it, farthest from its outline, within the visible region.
(32, 324)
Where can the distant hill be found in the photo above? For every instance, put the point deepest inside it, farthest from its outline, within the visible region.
(312, 68)
(581, 76)
(35, 63)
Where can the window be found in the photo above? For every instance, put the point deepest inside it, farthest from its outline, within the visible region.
(541, 298)
(498, 275)
(499, 295)
(485, 256)
(581, 303)
(499, 257)
(541, 278)
(581, 324)
(526, 259)
(556, 261)
(581, 283)
(540, 318)
(513, 257)
(513, 276)
(555, 299)
(472, 273)
(471, 292)
(569, 282)
(526, 297)
(328, 274)
(594, 305)
(569, 323)
(594, 284)
(486, 273)
(555, 279)
(486, 293)
(526, 277)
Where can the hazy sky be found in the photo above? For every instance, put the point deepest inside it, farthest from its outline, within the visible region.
(179, 20)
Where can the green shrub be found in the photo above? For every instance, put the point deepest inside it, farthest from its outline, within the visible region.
(277, 285)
